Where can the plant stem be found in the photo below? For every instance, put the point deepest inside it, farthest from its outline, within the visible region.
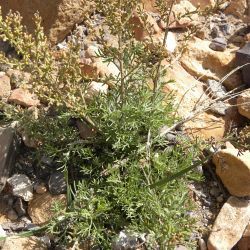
(157, 74)
(120, 59)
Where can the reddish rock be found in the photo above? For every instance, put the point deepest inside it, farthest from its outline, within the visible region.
(23, 97)
(58, 16)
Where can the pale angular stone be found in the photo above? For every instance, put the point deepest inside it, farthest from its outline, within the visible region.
(230, 224)
(21, 186)
(233, 168)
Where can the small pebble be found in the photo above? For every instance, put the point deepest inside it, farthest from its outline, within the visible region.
(12, 215)
(40, 188)
(220, 199)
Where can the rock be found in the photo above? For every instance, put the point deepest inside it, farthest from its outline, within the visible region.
(8, 150)
(59, 17)
(20, 207)
(91, 51)
(218, 44)
(188, 92)
(230, 224)
(126, 240)
(202, 62)
(5, 86)
(216, 89)
(229, 145)
(233, 167)
(219, 108)
(57, 183)
(96, 88)
(28, 140)
(23, 97)
(243, 103)
(106, 69)
(25, 243)
(39, 209)
(12, 215)
(244, 243)
(21, 186)
(237, 8)
(171, 42)
(179, 10)
(95, 68)
(40, 188)
(141, 32)
(18, 78)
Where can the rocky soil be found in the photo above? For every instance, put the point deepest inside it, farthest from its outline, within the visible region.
(29, 186)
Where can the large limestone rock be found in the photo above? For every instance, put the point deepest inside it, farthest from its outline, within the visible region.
(58, 16)
(39, 208)
(243, 103)
(204, 63)
(233, 167)
(189, 93)
(230, 224)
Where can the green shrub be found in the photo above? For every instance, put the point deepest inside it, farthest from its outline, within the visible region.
(109, 175)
